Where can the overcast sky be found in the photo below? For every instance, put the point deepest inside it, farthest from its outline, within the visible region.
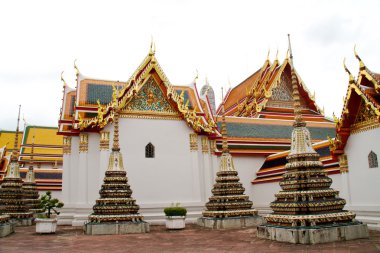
(225, 40)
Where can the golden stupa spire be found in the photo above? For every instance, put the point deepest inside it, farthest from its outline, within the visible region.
(116, 160)
(298, 119)
(14, 156)
(224, 128)
(30, 177)
(32, 150)
(115, 146)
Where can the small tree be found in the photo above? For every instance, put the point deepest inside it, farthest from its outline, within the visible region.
(49, 204)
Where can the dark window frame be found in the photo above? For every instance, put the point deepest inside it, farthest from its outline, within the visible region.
(149, 150)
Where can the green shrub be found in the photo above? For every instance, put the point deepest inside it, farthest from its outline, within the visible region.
(49, 204)
(175, 210)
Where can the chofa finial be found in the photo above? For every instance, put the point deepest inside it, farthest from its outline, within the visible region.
(63, 80)
(362, 66)
(346, 69)
(76, 67)
(152, 49)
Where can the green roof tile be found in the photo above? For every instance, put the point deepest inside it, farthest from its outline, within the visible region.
(273, 131)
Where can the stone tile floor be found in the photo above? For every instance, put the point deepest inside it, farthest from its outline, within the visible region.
(191, 239)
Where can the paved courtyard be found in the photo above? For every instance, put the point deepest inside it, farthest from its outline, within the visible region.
(191, 239)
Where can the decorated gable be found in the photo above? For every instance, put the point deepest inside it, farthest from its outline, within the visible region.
(150, 99)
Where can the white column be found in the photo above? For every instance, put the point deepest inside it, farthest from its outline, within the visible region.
(93, 167)
(73, 172)
(82, 171)
(66, 169)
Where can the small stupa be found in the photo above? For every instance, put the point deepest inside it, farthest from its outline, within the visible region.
(116, 212)
(11, 192)
(307, 210)
(31, 196)
(228, 207)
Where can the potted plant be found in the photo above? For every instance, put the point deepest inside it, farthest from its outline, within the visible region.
(175, 217)
(47, 222)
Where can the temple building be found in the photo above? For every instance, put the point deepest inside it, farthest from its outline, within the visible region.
(47, 156)
(307, 210)
(170, 139)
(356, 145)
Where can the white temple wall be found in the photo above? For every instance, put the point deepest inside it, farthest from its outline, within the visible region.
(247, 168)
(166, 178)
(93, 176)
(362, 183)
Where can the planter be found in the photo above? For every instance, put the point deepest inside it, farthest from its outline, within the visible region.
(175, 222)
(46, 226)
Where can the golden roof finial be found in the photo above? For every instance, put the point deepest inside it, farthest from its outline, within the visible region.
(63, 80)
(197, 76)
(268, 54)
(14, 155)
(224, 128)
(277, 55)
(346, 69)
(336, 119)
(152, 49)
(76, 67)
(361, 66)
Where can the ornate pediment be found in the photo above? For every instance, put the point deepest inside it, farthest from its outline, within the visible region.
(366, 119)
(150, 99)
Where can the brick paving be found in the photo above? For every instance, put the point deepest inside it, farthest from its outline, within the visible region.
(191, 239)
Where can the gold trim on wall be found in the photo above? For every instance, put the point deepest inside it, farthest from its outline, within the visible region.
(104, 143)
(83, 143)
(193, 142)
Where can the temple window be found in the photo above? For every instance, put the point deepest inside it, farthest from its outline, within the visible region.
(149, 150)
(372, 160)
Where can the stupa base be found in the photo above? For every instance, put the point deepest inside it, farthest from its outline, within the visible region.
(114, 228)
(333, 233)
(231, 222)
(6, 229)
(22, 222)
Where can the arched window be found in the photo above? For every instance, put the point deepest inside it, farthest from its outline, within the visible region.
(372, 160)
(149, 150)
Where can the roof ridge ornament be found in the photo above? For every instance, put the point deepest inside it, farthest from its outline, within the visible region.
(349, 73)
(152, 49)
(63, 80)
(76, 68)
(268, 54)
(276, 55)
(362, 66)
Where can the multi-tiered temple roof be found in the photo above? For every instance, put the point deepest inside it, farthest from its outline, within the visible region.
(361, 110)
(47, 155)
(260, 114)
(88, 106)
